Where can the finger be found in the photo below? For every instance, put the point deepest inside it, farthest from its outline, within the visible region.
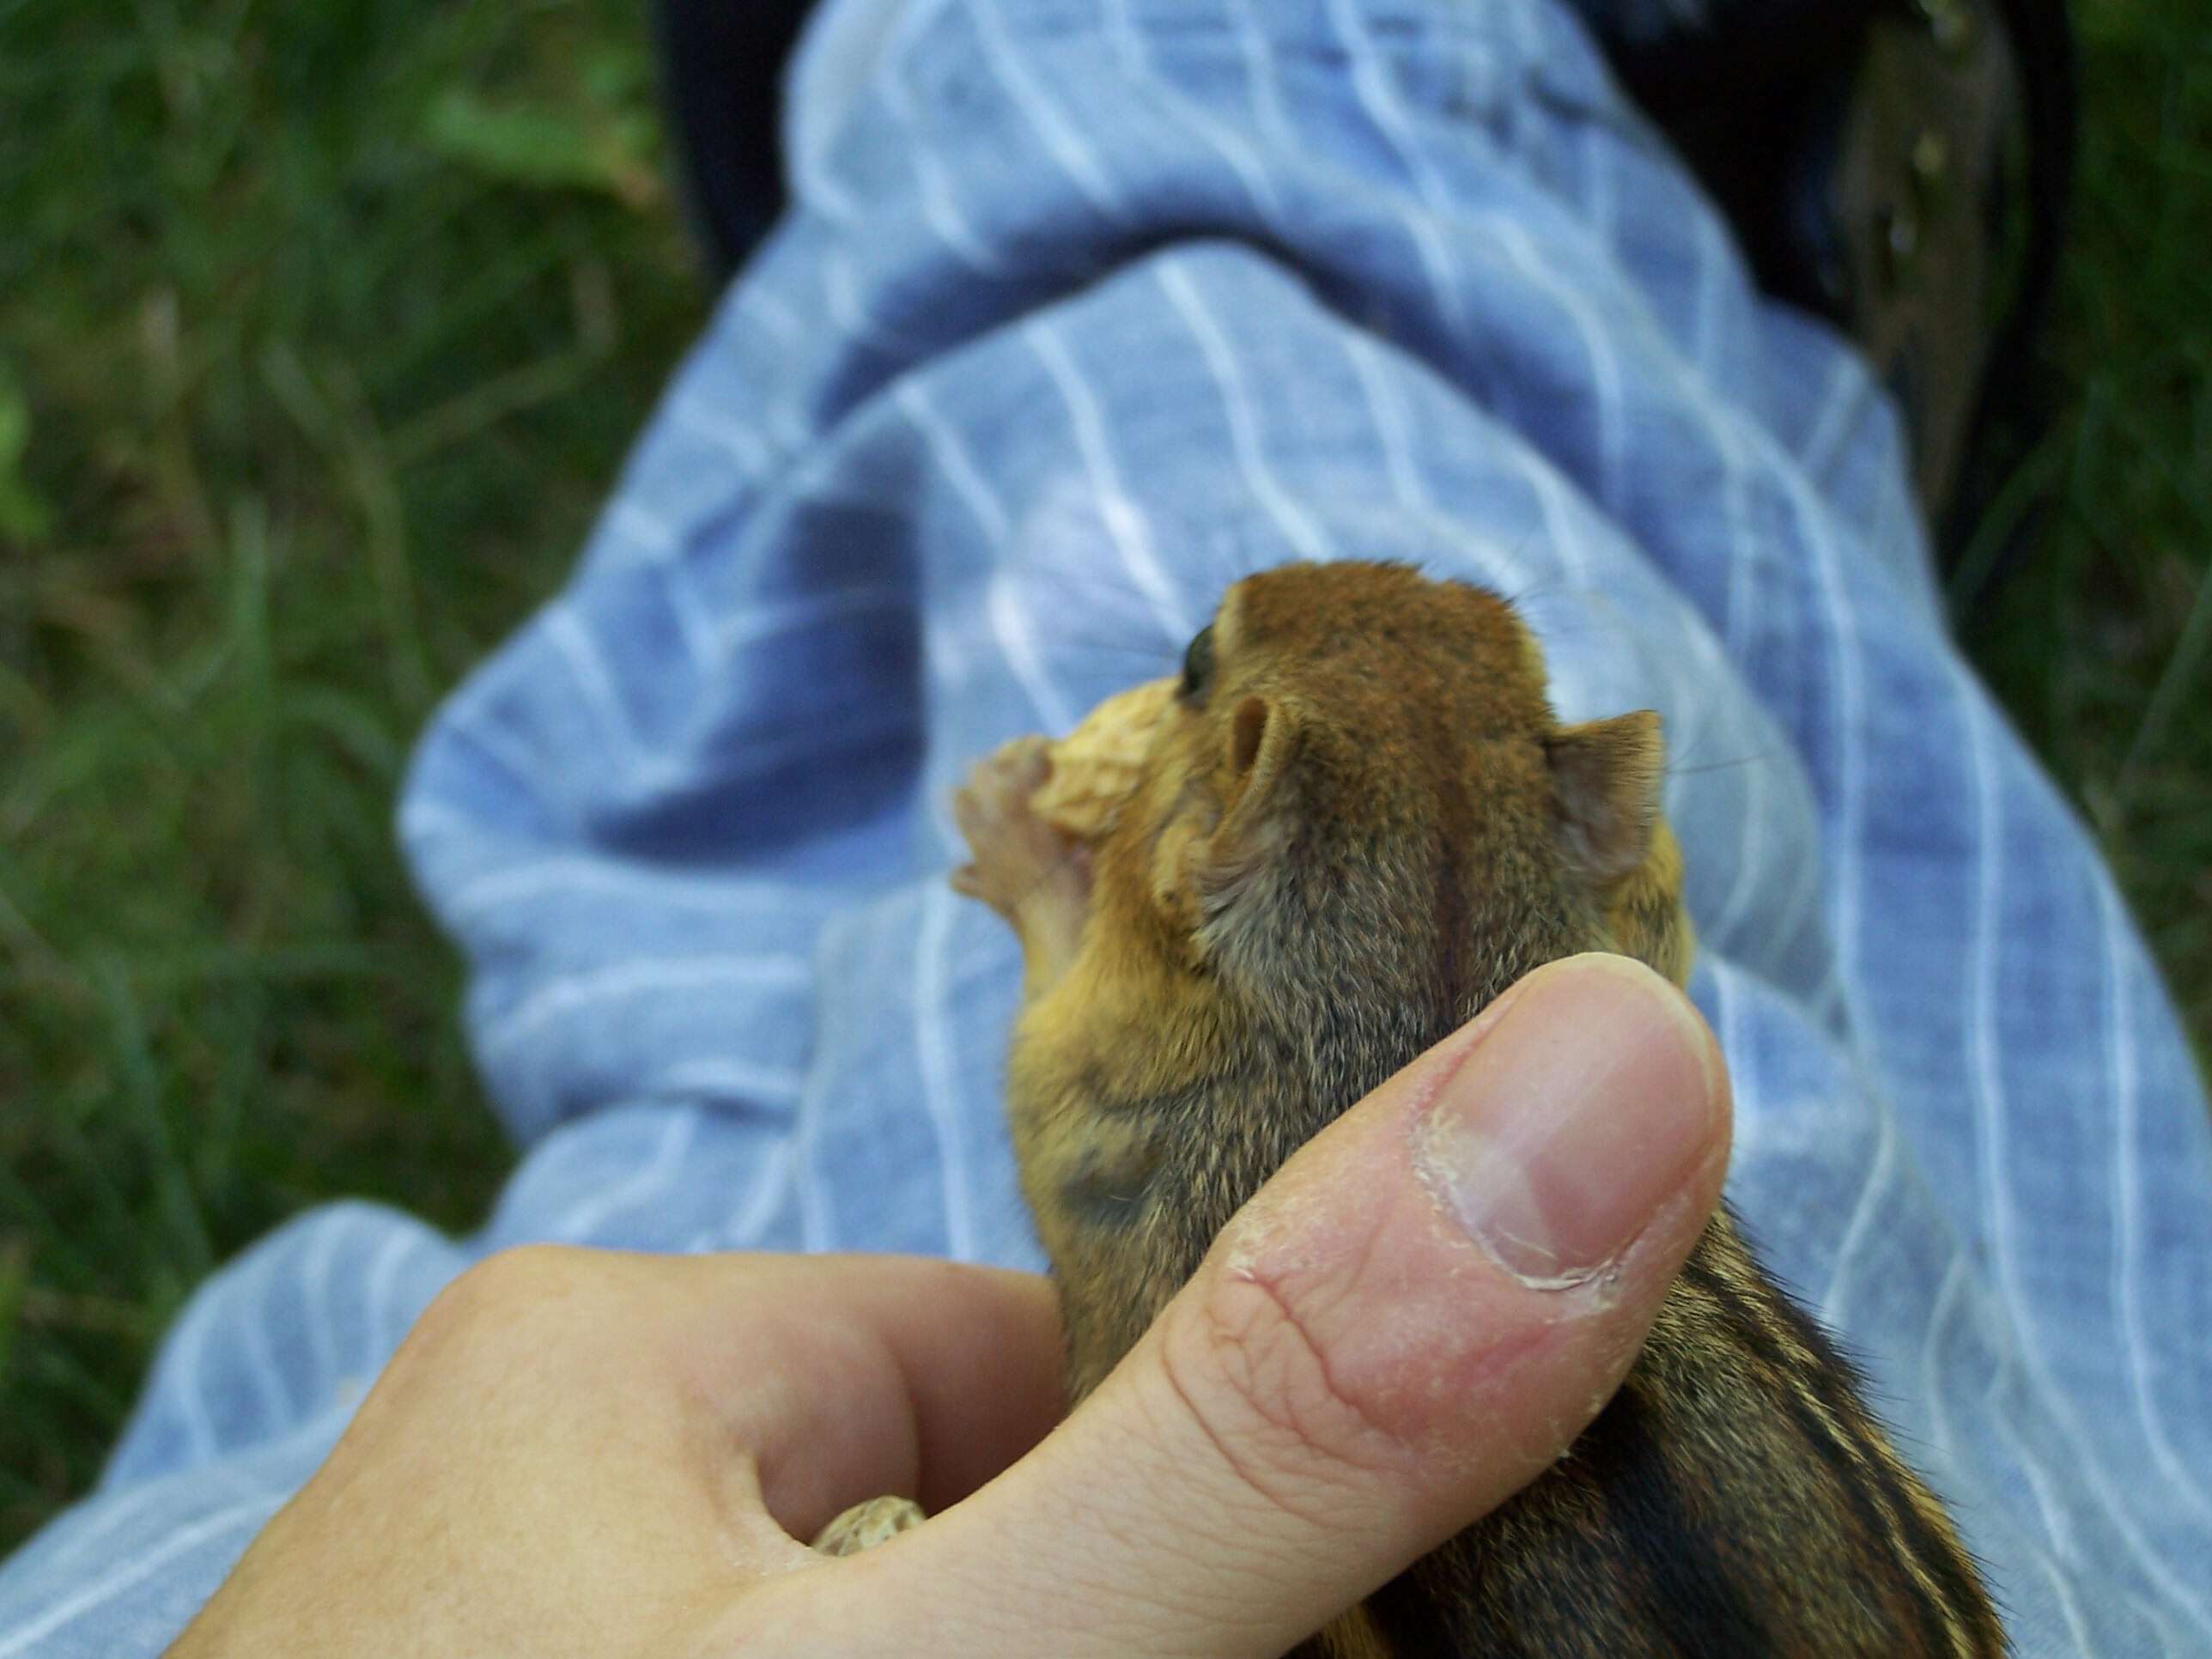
(891, 1374)
(1410, 1322)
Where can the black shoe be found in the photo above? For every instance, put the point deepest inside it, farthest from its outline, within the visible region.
(1900, 167)
(721, 78)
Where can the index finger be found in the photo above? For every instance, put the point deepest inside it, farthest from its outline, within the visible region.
(848, 1376)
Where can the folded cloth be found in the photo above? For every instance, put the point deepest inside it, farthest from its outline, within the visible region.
(1084, 309)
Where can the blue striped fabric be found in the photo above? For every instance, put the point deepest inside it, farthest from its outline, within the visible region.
(1086, 308)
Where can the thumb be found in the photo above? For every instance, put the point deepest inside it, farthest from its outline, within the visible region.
(1409, 1323)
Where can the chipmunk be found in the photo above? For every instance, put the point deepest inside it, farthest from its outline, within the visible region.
(1353, 822)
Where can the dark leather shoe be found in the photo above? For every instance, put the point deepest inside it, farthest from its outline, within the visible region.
(1900, 167)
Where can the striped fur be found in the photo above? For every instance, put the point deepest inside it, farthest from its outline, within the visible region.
(1363, 824)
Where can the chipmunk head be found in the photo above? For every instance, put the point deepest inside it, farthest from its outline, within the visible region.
(1361, 767)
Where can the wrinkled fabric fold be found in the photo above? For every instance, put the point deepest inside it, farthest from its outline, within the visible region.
(1083, 311)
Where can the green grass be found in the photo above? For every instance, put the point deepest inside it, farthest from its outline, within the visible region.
(321, 387)
(2098, 644)
(322, 330)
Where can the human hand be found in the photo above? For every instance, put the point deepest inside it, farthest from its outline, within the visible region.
(589, 1453)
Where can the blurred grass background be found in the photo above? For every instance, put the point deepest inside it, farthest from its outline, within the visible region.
(322, 330)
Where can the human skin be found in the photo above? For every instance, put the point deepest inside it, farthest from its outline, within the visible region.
(585, 1452)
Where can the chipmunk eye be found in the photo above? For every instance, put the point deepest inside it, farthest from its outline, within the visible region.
(1198, 665)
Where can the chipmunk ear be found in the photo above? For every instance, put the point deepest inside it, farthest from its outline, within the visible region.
(1605, 792)
(1201, 874)
(1257, 746)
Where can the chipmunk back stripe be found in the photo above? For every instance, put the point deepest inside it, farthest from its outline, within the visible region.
(1931, 1550)
(1442, 1607)
(1831, 1425)
(1695, 1602)
(1354, 822)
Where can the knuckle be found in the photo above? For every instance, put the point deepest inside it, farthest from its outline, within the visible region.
(522, 1295)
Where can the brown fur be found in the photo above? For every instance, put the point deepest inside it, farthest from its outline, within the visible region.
(1361, 822)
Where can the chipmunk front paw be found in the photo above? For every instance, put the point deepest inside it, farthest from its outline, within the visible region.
(1020, 862)
(1034, 875)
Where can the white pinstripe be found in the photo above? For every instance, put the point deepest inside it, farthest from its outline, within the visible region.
(1848, 666)
(1844, 630)
(814, 1231)
(761, 306)
(268, 1380)
(1711, 290)
(2057, 1524)
(948, 652)
(770, 1184)
(1527, 25)
(1848, 389)
(1297, 525)
(1741, 557)
(820, 190)
(752, 453)
(1259, 70)
(642, 528)
(795, 740)
(116, 1513)
(1513, 241)
(1948, 1290)
(1496, 567)
(1062, 140)
(841, 289)
(663, 548)
(1562, 529)
(190, 1392)
(2127, 1185)
(376, 1289)
(255, 1512)
(951, 457)
(940, 1091)
(1389, 418)
(1124, 518)
(940, 207)
(315, 1293)
(1010, 626)
(1371, 85)
(465, 721)
(692, 621)
(565, 874)
(1677, 697)
(1009, 622)
(1989, 1116)
(727, 1076)
(766, 618)
(1597, 346)
(1750, 853)
(1599, 207)
(1223, 141)
(1742, 591)
(423, 820)
(1864, 1208)
(631, 1191)
(1850, 722)
(567, 994)
(1430, 251)
(2061, 1581)
(1743, 1081)
(588, 667)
